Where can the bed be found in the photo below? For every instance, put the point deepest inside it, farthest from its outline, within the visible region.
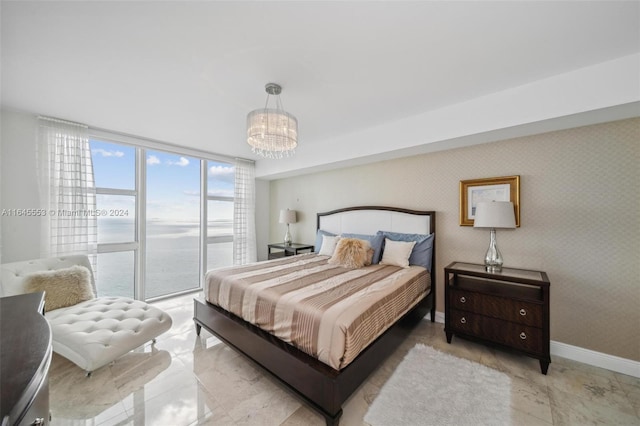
(323, 384)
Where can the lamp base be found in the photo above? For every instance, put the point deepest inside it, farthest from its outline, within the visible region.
(492, 268)
(493, 259)
(287, 237)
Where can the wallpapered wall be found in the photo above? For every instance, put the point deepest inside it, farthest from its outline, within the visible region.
(580, 219)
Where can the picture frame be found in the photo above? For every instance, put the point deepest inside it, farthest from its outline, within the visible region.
(504, 188)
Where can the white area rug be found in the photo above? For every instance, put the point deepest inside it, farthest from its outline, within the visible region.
(434, 388)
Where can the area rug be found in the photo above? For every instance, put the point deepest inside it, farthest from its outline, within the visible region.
(434, 388)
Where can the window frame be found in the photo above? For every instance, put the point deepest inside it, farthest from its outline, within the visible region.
(138, 246)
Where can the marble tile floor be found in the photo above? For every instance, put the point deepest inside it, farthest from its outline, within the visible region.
(188, 380)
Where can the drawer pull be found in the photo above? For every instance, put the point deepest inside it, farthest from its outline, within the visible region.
(39, 421)
(523, 336)
(463, 320)
(462, 299)
(523, 312)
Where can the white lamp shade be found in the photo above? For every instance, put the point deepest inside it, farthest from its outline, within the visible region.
(288, 216)
(494, 214)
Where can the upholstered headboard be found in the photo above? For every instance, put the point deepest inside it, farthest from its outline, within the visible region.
(371, 219)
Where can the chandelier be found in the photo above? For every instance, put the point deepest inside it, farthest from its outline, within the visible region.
(272, 132)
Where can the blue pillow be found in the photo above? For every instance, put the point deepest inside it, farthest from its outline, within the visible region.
(319, 235)
(422, 252)
(376, 242)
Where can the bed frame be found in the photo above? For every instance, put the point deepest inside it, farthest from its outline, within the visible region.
(321, 387)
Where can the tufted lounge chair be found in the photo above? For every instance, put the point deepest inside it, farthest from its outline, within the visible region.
(95, 332)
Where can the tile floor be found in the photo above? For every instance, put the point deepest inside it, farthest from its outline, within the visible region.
(187, 380)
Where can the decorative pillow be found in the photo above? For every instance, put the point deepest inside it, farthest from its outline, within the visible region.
(374, 240)
(352, 253)
(397, 252)
(369, 260)
(319, 235)
(328, 245)
(422, 252)
(62, 287)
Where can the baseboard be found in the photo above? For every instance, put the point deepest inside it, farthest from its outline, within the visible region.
(597, 359)
(587, 356)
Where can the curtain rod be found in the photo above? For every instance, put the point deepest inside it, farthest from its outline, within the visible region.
(58, 120)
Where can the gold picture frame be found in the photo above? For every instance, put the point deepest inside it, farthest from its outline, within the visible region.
(505, 188)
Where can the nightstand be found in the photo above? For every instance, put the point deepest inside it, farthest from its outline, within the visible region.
(507, 309)
(288, 249)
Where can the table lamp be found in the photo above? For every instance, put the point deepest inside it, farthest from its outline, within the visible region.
(287, 216)
(494, 214)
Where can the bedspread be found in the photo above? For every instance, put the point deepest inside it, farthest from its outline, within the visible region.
(330, 312)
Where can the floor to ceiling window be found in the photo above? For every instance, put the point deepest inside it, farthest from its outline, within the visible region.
(158, 233)
(220, 183)
(173, 223)
(114, 169)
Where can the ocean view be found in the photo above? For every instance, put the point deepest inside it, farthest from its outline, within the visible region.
(172, 262)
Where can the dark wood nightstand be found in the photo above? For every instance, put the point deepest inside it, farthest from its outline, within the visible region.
(508, 308)
(288, 249)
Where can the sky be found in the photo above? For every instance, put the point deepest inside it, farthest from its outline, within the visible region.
(173, 183)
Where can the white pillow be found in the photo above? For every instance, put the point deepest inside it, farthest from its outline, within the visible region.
(397, 252)
(328, 245)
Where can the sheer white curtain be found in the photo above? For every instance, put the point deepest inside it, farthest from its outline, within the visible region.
(67, 189)
(244, 213)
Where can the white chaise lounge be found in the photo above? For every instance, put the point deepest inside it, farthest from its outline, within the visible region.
(94, 332)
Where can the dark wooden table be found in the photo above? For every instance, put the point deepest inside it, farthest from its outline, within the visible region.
(288, 249)
(25, 357)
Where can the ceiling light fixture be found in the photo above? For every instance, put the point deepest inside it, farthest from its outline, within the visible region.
(272, 132)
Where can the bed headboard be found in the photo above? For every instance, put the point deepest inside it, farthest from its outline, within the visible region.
(371, 219)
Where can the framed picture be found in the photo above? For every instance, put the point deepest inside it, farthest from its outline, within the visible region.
(506, 188)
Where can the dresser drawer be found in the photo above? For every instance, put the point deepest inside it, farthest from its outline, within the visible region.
(511, 334)
(497, 307)
(515, 335)
(465, 322)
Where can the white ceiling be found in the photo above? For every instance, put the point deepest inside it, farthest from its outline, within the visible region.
(187, 73)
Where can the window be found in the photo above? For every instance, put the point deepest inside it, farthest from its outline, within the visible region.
(173, 224)
(156, 237)
(115, 274)
(114, 170)
(220, 187)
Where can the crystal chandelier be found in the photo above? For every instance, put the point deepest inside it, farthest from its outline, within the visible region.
(272, 132)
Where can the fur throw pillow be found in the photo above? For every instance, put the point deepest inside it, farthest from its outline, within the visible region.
(352, 253)
(62, 287)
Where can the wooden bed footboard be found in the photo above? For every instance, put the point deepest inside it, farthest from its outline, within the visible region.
(321, 387)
